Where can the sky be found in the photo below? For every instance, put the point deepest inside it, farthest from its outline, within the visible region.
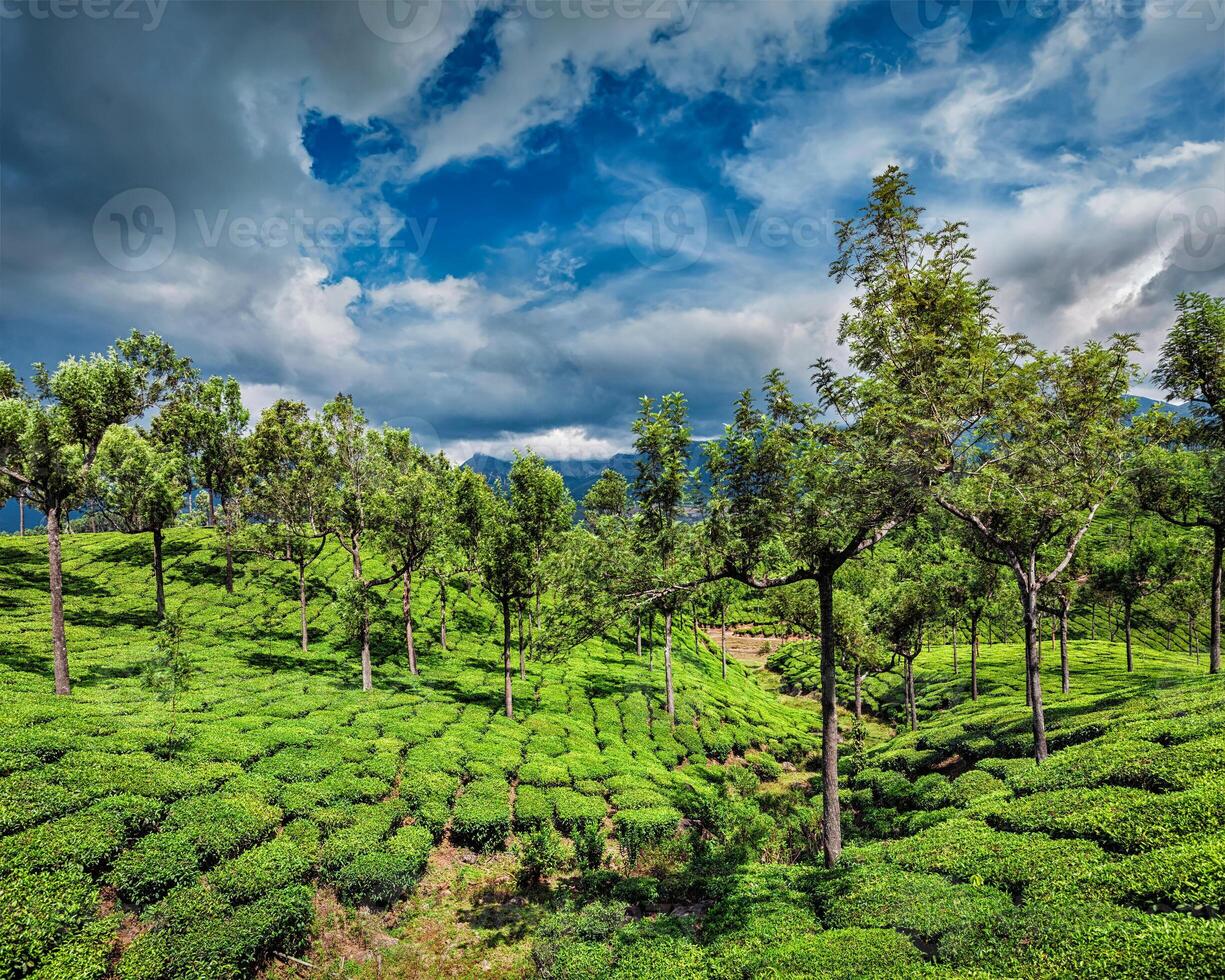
(502, 223)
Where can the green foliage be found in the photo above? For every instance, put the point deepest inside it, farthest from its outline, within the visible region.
(481, 818)
(637, 829)
(540, 854)
(37, 910)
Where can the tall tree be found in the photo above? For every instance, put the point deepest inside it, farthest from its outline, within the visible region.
(354, 465)
(136, 485)
(288, 479)
(408, 513)
(206, 421)
(545, 511)
(1045, 459)
(662, 443)
(49, 438)
(1138, 561)
(505, 560)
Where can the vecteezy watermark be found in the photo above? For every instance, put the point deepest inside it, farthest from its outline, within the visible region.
(406, 21)
(400, 21)
(147, 12)
(137, 230)
(666, 230)
(669, 229)
(932, 21)
(1190, 229)
(936, 21)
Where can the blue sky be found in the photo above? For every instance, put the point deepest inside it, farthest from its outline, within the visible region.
(501, 223)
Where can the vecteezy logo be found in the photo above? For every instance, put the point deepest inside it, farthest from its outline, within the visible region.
(932, 20)
(400, 21)
(134, 231)
(666, 230)
(1191, 229)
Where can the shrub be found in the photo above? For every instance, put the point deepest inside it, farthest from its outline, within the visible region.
(533, 808)
(83, 956)
(973, 784)
(88, 838)
(222, 825)
(574, 810)
(154, 865)
(881, 896)
(481, 818)
(413, 844)
(276, 864)
(1088, 764)
(589, 842)
(540, 854)
(37, 910)
(967, 849)
(641, 828)
(544, 772)
(1189, 877)
(764, 765)
(376, 877)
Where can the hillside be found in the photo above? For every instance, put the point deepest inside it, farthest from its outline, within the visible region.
(297, 812)
(287, 773)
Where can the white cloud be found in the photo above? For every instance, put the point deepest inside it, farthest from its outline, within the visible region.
(446, 296)
(562, 442)
(1186, 152)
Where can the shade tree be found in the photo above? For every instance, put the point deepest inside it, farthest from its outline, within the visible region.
(137, 486)
(49, 438)
(285, 493)
(504, 559)
(407, 511)
(206, 422)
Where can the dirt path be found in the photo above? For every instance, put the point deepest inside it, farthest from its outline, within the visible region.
(752, 651)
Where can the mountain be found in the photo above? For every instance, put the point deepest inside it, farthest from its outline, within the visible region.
(580, 475)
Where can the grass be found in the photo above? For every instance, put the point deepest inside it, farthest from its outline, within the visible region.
(368, 833)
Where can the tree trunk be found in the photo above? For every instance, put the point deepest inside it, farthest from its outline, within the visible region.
(407, 608)
(302, 605)
(1093, 621)
(1029, 596)
(1063, 648)
(974, 658)
(638, 633)
(158, 578)
(21, 515)
(723, 640)
(858, 689)
(696, 646)
(442, 611)
(954, 647)
(364, 626)
(668, 665)
(651, 642)
(522, 665)
(510, 694)
(1214, 641)
(831, 822)
(912, 714)
(212, 512)
(229, 562)
(55, 566)
(1127, 633)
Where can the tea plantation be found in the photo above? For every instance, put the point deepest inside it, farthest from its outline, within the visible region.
(689, 852)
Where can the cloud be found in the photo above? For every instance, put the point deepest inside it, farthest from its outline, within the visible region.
(562, 442)
(1186, 152)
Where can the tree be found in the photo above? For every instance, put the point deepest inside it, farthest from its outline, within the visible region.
(355, 471)
(1044, 460)
(206, 421)
(136, 485)
(982, 591)
(1056, 600)
(545, 511)
(662, 443)
(1137, 562)
(1192, 367)
(505, 562)
(49, 438)
(288, 480)
(408, 512)
(170, 670)
(608, 498)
